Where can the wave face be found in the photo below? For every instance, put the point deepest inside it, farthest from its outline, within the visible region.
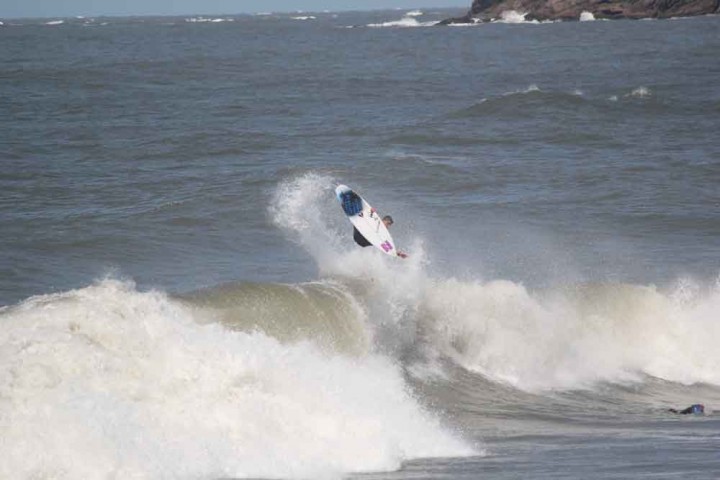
(106, 381)
(321, 312)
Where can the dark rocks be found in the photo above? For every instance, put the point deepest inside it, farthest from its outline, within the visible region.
(487, 10)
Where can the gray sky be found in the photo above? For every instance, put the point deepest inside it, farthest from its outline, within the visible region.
(69, 8)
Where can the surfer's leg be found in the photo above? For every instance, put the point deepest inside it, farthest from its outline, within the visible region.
(359, 239)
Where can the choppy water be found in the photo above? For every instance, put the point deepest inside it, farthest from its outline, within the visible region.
(182, 297)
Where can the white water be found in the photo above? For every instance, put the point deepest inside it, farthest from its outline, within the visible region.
(109, 382)
(410, 19)
(512, 16)
(575, 339)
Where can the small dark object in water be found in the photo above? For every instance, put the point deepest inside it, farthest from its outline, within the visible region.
(697, 409)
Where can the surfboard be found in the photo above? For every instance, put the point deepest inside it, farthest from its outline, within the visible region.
(365, 219)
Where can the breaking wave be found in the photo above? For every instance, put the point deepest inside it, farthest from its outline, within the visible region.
(107, 381)
(566, 338)
(321, 378)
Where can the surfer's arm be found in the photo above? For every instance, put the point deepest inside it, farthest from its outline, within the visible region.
(401, 254)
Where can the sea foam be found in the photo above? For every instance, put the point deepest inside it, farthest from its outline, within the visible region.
(106, 381)
(578, 337)
(513, 16)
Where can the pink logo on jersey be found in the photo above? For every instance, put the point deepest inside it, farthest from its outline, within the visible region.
(386, 246)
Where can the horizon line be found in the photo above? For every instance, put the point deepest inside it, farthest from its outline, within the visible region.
(251, 14)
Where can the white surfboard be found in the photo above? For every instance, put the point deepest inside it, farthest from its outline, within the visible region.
(365, 219)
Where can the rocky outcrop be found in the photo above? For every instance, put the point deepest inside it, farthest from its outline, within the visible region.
(487, 10)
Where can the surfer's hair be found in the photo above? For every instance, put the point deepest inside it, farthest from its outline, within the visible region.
(388, 219)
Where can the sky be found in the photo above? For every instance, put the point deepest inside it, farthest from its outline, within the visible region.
(71, 8)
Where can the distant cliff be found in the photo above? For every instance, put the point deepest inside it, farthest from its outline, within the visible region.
(487, 10)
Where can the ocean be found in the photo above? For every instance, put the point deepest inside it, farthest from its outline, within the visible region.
(181, 297)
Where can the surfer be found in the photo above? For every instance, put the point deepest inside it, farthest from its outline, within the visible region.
(363, 242)
(697, 409)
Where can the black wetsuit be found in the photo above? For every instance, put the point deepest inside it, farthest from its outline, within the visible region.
(359, 239)
(695, 409)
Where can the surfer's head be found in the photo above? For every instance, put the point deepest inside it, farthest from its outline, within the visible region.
(387, 220)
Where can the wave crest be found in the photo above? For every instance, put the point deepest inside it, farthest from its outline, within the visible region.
(578, 337)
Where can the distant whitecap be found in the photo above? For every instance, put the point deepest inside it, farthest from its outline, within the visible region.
(207, 20)
(408, 20)
(640, 92)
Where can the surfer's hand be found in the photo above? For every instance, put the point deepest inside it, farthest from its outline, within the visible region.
(401, 254)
